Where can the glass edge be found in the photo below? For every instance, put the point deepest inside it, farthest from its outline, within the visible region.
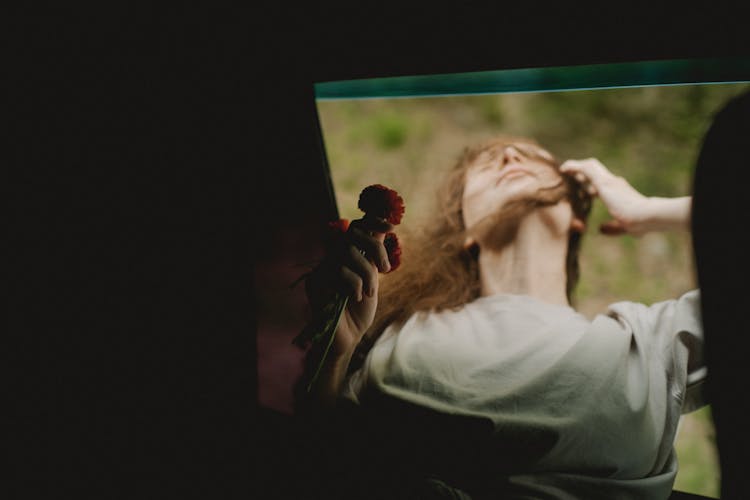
(546, 79)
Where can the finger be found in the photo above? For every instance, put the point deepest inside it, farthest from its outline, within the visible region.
(574, 171)
(352, 283)
(372, 225)
(584, 181)
(357, 263)
(591, 168)
(373, 247)
(612, 228)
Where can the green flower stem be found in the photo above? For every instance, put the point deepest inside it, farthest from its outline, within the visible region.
(332, 324)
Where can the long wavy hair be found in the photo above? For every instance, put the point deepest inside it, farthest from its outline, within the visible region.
(438, 271)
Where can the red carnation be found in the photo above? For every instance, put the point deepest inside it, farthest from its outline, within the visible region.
(334, 231)
(339, 226)
(380, 201)
(394, 250)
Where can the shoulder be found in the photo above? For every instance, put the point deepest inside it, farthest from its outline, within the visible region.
(637, 310)
(661, 322)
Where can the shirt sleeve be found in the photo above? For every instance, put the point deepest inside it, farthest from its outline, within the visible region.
(352, 386)
(673, 331)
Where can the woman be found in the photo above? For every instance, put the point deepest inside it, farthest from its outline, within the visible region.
(477, 329)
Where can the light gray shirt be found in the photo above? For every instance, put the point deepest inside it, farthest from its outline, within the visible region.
(609, 390)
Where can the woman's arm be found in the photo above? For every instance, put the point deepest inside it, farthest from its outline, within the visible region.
(666, 214)
(330, 382)
(632, 213)
(351, 269)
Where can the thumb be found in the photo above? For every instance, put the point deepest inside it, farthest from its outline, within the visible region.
(612, 227)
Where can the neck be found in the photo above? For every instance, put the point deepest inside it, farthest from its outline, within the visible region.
(532, 264)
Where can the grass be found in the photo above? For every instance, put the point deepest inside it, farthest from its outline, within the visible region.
(696, 452)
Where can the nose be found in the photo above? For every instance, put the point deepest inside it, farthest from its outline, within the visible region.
(511, 155)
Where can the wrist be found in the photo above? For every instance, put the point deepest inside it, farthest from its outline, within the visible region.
(341, 358)
(331, 379)
(667, 214)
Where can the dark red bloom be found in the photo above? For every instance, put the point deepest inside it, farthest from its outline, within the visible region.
(394, 250)
(334, 232)
(380, 201)
(339, 226)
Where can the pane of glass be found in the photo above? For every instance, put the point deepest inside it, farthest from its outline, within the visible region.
(650, 134)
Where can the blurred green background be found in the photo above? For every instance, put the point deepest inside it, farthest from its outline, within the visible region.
(649, 135)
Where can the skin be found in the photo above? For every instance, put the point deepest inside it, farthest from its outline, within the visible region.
(531, 263)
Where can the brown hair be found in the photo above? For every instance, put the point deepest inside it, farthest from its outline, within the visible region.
(438, 272)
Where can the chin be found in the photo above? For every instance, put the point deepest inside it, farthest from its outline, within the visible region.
(518, 192)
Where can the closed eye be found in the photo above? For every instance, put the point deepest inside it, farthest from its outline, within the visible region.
(484, 166)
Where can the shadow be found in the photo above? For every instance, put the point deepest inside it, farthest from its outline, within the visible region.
(721, 239)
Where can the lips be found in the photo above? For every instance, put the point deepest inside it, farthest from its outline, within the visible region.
(512, 171)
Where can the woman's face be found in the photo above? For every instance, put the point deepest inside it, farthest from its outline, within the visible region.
(507, 173)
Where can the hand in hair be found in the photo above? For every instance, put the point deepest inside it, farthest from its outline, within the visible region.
(352, 269)
(624, 203)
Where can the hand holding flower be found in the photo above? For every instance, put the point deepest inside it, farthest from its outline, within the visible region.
(356, 253)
